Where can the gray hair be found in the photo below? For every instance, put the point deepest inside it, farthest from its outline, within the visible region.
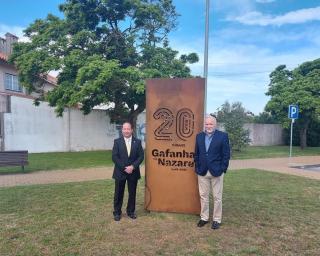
(211, 117)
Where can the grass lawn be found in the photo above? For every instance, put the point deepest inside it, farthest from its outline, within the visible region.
(63, 160)
(274, 151)
(265, 213)
(87, 159)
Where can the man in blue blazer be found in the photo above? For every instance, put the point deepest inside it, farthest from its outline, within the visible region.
(127, 155)
(212, 154)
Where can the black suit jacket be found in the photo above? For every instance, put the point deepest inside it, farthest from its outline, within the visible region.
(216, 159)
(121, 159)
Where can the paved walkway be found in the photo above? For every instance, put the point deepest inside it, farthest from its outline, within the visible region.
(281, 165)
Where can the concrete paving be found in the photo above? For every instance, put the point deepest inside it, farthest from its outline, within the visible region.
(281, 165)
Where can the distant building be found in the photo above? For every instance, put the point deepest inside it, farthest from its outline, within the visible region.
(9, 82)
(9, 75)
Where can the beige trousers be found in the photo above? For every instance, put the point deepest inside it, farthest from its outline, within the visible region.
(206, 183)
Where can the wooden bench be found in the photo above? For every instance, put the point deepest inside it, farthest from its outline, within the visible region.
(14, 158)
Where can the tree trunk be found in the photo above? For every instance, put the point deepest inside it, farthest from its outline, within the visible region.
(303, 135)
(133, 116)
(303, 138)
(133, 120)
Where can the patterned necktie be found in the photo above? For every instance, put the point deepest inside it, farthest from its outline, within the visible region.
(128, 144)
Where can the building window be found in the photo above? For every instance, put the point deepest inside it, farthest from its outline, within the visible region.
(11, 82)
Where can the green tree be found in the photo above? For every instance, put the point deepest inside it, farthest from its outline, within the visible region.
(234, 116)
(313, 135)
(265, 118)
(300, 86)
(103, 50)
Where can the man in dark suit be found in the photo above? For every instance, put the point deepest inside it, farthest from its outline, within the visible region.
(127, 155)
(212, 154)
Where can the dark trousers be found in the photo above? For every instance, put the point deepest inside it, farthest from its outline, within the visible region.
(118, 196)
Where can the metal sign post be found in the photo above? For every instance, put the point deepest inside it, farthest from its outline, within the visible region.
(293, 113)
(292, 121)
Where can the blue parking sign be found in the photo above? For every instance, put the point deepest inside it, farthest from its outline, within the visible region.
(293, 112)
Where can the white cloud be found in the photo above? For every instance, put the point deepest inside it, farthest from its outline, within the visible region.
(275, 36)
(238, 6)
(294, 17)
(15, 30)
(245, 76)
(240, 72)
(249, 93)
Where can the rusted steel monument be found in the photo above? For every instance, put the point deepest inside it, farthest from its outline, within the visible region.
(174, 115)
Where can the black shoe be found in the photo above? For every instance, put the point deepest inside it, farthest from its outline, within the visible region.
(117, 217)
(132, 216)
(201, 223)
(215, 225)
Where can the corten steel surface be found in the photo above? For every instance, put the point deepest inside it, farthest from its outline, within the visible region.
(174, 117)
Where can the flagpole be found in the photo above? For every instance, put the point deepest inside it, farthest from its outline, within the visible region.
(206, 47)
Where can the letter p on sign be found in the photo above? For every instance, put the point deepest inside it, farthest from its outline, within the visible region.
(293, 112)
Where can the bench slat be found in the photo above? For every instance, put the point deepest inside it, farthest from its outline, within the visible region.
(14, 158)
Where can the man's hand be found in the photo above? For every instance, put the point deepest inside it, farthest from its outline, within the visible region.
(129, 169)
